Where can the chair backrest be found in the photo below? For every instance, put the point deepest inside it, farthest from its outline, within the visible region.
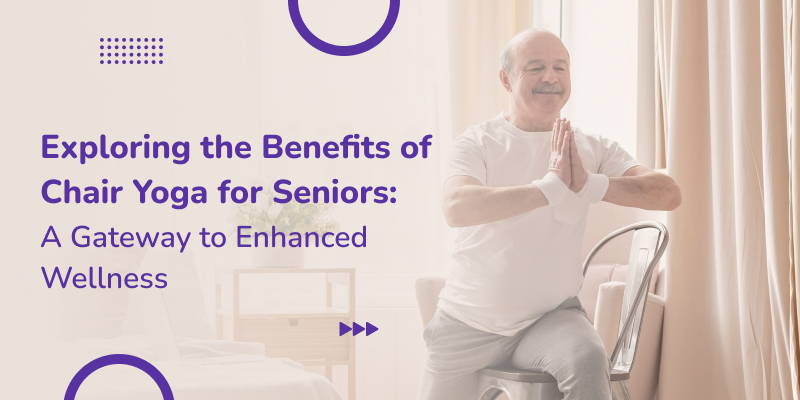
(649, 242)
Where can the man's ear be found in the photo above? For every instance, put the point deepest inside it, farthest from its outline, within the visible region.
(504, 80)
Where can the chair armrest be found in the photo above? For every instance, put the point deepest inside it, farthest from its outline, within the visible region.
(644, 375)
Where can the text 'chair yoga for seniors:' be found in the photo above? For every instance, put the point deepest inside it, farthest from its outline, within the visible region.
(649, 242)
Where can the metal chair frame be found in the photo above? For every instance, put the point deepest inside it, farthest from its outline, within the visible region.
(528, 385)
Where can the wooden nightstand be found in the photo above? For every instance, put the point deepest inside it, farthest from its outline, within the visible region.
(306, 334)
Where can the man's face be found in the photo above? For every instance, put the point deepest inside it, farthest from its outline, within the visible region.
(540, 79)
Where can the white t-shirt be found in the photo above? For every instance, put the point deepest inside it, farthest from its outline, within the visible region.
(505, 274)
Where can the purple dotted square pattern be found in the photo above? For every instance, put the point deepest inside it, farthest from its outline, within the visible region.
(145, 47)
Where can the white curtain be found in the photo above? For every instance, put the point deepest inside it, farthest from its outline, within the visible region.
(478, 31)
(723, 68)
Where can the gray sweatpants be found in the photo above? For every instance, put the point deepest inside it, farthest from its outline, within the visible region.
(562, 343)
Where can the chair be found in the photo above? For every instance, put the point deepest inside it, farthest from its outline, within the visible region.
(648, 245)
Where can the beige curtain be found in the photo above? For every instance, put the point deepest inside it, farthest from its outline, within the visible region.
(662, 22)
(723, 68)
(792, 29)
(478, 31)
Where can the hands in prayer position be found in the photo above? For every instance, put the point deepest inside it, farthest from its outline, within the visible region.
(564, 159)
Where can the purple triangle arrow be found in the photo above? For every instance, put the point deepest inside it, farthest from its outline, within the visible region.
(371, 329)
(357, 328)
(343, 328)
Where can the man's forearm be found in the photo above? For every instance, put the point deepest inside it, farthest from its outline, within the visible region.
(650, 191)
(469, 205)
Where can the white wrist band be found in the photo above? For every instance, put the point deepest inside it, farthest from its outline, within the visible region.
(552, 187)
(594, 189)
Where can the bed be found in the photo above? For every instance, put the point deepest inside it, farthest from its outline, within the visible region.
(99, 323)
(273, 378)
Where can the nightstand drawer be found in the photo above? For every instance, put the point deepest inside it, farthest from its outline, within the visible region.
(297, 338)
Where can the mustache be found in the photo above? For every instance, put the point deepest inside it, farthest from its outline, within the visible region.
(548, 89)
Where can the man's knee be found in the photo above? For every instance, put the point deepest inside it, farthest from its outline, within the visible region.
(589, 357)
(586, 375)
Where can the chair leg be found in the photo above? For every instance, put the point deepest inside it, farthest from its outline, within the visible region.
(490, 393)
(619, 390)
(491, 388)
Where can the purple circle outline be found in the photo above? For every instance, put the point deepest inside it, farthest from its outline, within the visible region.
(332, 49)
(122, 359)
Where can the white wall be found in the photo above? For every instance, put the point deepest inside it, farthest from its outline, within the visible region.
(389, 93)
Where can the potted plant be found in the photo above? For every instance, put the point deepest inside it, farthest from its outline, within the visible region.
(286, 218)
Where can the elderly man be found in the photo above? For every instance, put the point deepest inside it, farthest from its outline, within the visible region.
(519, 188)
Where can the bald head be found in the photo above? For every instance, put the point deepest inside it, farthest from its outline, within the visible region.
(527, 38)
(536, 75)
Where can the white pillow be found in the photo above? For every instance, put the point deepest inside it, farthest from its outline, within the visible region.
(94, 313)
(182, 296)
